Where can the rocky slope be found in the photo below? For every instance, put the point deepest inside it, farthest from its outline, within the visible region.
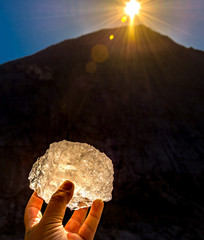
(139, 99)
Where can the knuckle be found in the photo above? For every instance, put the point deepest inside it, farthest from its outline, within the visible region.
(59, 196)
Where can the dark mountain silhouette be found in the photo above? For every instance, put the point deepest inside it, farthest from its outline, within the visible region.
(139, 99)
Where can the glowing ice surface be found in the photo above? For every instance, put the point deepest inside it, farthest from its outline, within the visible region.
(90, 170)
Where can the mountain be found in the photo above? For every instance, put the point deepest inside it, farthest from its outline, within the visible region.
(139, 99)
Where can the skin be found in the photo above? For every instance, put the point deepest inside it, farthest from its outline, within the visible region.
(49, 226)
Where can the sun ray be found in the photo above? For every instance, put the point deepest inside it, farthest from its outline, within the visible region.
(147, 18)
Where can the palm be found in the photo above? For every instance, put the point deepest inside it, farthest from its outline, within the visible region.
(77, 228)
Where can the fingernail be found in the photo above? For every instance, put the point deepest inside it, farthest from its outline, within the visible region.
(67, 185)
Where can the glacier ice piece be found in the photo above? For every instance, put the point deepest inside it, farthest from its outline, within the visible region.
(90, 170)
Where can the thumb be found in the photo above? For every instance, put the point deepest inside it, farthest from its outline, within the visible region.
(55, 210)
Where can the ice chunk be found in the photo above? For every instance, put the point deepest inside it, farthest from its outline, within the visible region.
(90, 170)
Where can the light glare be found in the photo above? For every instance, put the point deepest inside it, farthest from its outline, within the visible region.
(132, 8)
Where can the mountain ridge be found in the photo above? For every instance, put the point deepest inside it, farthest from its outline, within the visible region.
(108, 32)
(138, 98)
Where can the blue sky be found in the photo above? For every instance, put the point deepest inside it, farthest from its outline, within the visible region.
(27, 26)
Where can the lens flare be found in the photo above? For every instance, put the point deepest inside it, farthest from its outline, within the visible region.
(124, 19)
(99, 53)
(91, 67)
(111, 37)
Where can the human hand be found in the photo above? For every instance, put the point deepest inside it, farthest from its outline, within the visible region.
(49, 226)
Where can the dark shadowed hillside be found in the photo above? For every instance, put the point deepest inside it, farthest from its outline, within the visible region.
(138, 98)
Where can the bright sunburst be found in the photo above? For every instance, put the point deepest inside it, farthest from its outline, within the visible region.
(132, 8)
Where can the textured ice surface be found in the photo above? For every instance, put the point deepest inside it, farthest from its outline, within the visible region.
(90, 170)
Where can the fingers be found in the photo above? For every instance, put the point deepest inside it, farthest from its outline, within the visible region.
(56, 208)
(76, 220)
(88, 229)
(32, 211)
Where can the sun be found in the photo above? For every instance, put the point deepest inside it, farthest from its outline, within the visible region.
(132, 8)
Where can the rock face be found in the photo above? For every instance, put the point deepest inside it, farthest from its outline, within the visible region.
(90, 170)
(142, 105)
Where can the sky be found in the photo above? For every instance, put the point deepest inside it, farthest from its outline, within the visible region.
(28, 26)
